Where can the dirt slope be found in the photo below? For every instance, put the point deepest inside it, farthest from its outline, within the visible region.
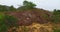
(27, 17)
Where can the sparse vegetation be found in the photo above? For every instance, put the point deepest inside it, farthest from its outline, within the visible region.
(27, 17)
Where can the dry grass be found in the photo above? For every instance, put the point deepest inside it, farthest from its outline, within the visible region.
(35, 27)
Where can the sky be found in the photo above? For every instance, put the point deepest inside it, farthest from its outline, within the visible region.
(44, 4)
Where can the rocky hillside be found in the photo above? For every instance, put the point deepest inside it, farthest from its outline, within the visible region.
(33, 20)
(27, 17)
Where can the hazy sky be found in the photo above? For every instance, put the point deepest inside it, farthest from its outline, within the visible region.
(45, 4)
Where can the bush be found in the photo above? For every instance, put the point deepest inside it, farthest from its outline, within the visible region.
(56, 16)
(3, 26)
(11, 21)
(56, 30)
(6, 22)
(4, 8)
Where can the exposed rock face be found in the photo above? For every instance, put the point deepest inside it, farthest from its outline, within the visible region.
(28, 17)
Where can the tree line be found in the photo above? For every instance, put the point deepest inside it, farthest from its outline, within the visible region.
(26, 5)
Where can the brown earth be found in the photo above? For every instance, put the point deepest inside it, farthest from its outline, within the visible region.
(30, 16)
(34, 20)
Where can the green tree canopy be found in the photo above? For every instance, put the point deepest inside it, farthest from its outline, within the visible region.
(11, 8)
(27, 5)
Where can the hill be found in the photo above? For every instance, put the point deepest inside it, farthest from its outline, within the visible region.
(27, 17)
(35, 20)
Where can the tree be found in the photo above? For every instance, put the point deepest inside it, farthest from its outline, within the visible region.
(27, 5)
(3, 8)
(11, 8)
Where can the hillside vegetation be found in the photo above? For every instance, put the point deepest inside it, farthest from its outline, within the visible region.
(28, 18)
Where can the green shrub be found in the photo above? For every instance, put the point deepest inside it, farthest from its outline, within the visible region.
(3, 26)
(11, 21)
(56, 30)
(6, 22)
(45, 16)
(4, 8)
(56, 16)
